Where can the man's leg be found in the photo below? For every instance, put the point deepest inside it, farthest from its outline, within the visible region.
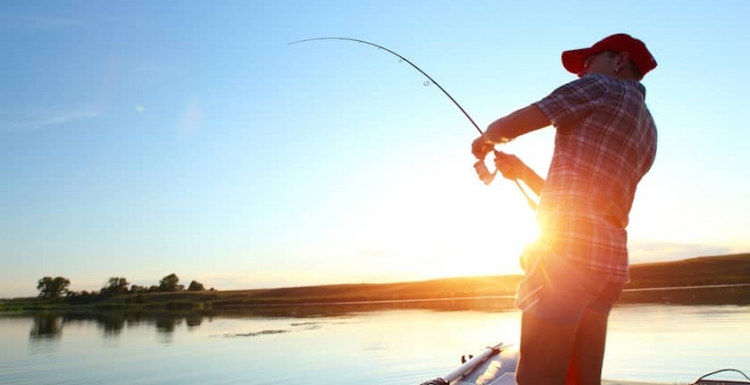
(555, 297)
(545, 351)
(588, 350)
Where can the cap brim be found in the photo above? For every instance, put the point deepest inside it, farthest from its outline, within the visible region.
(574, 60)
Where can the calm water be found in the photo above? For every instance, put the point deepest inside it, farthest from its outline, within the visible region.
(660, 343)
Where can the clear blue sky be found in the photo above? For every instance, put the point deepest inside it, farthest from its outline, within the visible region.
(143, 138)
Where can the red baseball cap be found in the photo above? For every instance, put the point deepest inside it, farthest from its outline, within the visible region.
(574, 60)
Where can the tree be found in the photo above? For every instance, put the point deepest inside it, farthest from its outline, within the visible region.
(52, 288)
(169, 283)
(196, 286)
(116, 286)
(83, 297)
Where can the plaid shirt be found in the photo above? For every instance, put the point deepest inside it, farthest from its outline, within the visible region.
(605, 144)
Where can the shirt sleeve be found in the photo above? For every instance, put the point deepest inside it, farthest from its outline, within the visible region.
(573, 101)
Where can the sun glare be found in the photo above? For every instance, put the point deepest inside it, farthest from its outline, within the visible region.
(451, 228)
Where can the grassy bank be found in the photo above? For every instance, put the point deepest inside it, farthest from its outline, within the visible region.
(702, 271)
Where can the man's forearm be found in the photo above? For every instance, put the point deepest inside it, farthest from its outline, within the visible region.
(509, 127)
(516, 124)
(533, 180)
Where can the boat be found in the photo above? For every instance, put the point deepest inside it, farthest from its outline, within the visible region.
(496, 365)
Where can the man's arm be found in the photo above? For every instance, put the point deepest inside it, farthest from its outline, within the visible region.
(507, 128)
(533, 180)
(513, 168)
(520, 122)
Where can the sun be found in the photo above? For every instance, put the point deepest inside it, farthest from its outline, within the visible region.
(491, 245)
(445, 228)
(433, 221)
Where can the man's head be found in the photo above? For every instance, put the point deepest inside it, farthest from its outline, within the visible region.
(618, 55)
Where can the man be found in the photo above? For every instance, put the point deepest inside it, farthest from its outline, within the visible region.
(574, 272)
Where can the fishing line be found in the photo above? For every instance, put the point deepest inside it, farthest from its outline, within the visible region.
(433, 81)
(480, 167)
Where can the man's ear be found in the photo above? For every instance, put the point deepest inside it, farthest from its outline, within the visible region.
(622, 60)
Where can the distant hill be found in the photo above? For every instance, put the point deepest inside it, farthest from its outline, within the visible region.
(699, 271)
(710, 270)
(726, 269)
(725, 273)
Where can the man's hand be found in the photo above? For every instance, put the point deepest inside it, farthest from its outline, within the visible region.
(509, 165)
(481, 146)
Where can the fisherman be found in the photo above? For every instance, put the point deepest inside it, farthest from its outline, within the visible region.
(574, 272)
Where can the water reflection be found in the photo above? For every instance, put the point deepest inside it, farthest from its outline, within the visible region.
(111, 324)
(166, 324)
(45, 333)
(193, 320)
(50, 325)
(46, 327)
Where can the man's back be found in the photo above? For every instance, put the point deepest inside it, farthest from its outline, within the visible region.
(605, 144)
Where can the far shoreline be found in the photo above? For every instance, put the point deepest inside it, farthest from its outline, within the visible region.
(703, 280)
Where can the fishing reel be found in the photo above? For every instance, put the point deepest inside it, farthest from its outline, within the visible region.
(484, 174)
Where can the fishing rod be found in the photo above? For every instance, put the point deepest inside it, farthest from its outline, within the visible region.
(479, 166)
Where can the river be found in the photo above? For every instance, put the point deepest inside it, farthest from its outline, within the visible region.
(654, 343)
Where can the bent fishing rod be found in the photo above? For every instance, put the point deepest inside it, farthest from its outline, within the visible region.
(479, 166)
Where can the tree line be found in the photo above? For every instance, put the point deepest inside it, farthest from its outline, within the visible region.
(57, 288)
